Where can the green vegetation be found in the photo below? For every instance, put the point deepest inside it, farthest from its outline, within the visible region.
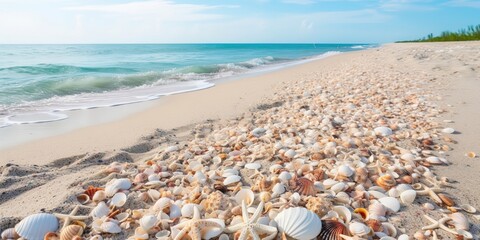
(470, 34)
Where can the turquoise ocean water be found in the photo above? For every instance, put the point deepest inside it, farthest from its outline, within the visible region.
(38, 83)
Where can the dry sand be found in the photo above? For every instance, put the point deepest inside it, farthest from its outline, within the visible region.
(447, 73)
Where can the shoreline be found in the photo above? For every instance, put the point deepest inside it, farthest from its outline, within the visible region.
(407, 87)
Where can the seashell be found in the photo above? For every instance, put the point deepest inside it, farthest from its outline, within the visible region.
(147, 222)
(328, 183)
(303, 186)
(390, 203)
(223, 237)
(121, 217)
(407, 157)
(376, 194)
(140, 233)
(332, 229)
(187, 209)
(9, 233)
(383, 131)
(377, 209)
(403, 187)
(468, 208)
(471, 154)
(161, 204)
(253, 166)
(110, 227)
(434, 160)
(258, 132)
(393, 192)
(246, 195)
(338, 187)
(403, 237)
(386, 181)
(162, 234)
(318, 205)
(91, 190)
(460, 221)
(278, 189)
(231, 180)
(464, 234)
(50, 236)
(119, 199)
(375, 225)
(345, 171)
(100, 210)
(36, 226)
(408, 196)
(83, 198)
(362, 212)
(140, 178)
(290, 153)
(71, 231)
(448, 130)
(343, 213)
(99, 196)
(446, 200)
(428, 206)
(114, 185)
(284, 176)
(389, 229)
(359, 229)
(298, 223)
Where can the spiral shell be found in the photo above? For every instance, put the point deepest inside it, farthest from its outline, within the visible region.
(386, 182)
(303, 186)
(331, 230)
(70, 232)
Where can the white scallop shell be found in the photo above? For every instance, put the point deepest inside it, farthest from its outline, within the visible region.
(114, 185)
(100, 210)
(147, 222)
(119, 199)
(162, 203)
(393, 192)
(408, 196)
(298, 223)
(359, 229)
(284, 176)
(231, 179)
(328, 183)
(376, 209)
(110, 227)
(460, 221)
(246, 195)
(383, 131)
(253, 166)
(34, 227)
(392, 204)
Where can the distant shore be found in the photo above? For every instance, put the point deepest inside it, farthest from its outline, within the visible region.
(441, 80)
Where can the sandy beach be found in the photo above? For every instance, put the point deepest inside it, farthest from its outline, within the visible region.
(416, 90)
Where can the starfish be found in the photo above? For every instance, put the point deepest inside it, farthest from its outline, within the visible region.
(250, 226)
(198, 228)
(432, 192)
(439, 224)
(67, 218)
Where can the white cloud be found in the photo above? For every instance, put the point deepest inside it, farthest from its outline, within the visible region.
(406, 5)
(464, 3)
(302, 2)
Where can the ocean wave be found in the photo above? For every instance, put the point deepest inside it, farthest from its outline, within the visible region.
(63, 69)
(357, 47)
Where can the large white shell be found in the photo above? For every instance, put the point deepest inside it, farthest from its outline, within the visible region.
(119, 199)
(434, 160)
(147, 222)
(460, 221)
(9, 233)
(298, 223)
(231, 179)
(392, 204)
(383, 131)
(115, 185)
(408, 196)
(343, 213)
(376, 209)
(448, 130)
(100, 210)
(359, 229)
(34, 227)
(245, 195)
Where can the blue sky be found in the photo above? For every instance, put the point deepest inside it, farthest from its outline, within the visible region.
(180, 21)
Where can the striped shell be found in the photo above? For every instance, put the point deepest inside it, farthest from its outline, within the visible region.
(298, 223)
(91, 190)
(386, 182)
(9, 233)
(331, 230)
(36, 226)
(70, 232)
(303, 186)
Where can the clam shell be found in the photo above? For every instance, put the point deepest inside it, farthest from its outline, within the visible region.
(9, 233)
(70, 232)
(460, 221)
(359, 229)
(471, 154)
(468, 208)
(343, 213)
(110, 227)
(389, 229)
(231, 180)
(34, 227)
(187, 209)
(434, 160)
(278, 189)
(338, 187)
(331, 230)
(448, 130)
(246, 195)
(377, 209)
(386, 181)
(115, 185)
(253, 166)
(100, 210)
(408, 196)
(99, 196)
(383, 131)
(148, 221)
(345, 171)
(298, 223)
(162, 203)
(119, 199)
(140, 233)
(390, 203)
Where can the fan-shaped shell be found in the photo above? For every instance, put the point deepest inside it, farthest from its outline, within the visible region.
(386, 181)
(70, 232)
(91, 190)
(246, 195)
(9, 233)
(408, 196)
(359, 229)
(34, 227)
(345, 171)
(331, 230)
(377, 209)
(298, 223)
(460, 221)
(253, 166)
(390, 203)
(303, 186)
(119, 199)
(148, 221)
(100, 210)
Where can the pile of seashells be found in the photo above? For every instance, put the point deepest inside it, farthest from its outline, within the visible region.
(328, 164)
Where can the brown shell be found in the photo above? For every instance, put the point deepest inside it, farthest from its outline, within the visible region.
(91, 190)
(69, 232)
(319, 205)
(362, 212)
(51, 236)
(361, 175)
(331, 230)
(265, 185)
(446, 200)
(140, 178)
(303, 186)
(375, 225)
(386, 182)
